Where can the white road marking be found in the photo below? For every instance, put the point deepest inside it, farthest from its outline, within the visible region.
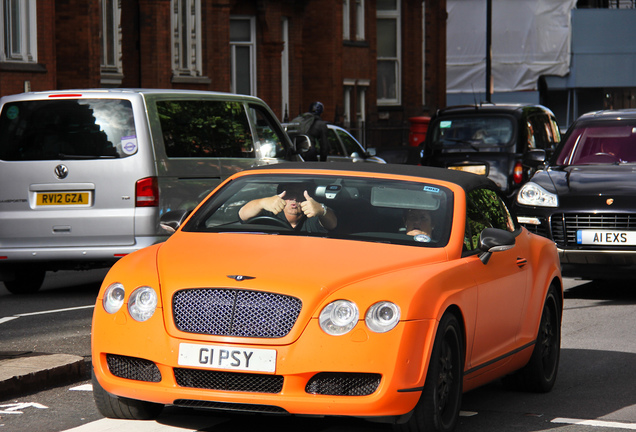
(7, 319)
(596, 423)
(85, 387)
(15, 408)
(112, 425)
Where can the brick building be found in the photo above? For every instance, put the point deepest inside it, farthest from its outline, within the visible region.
(366, 60)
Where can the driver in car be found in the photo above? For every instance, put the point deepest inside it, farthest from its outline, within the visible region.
(293, 204)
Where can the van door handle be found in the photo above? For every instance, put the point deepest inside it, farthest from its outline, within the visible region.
(521, 262)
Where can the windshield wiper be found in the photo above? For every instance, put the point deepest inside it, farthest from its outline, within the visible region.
(63, 156)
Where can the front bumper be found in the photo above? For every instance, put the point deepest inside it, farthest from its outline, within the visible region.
(361, 374)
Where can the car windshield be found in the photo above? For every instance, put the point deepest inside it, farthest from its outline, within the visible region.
(366, 208)
(472, 132)
(611, 143)
(58, 129)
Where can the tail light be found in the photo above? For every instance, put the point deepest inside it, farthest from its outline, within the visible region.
(147, 192)
(517, 173)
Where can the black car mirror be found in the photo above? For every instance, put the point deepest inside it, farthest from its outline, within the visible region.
(302, 143)
(494, 240)
(534, 158)
(172, 220)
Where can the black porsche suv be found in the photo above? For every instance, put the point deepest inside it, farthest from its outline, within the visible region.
(491, 139)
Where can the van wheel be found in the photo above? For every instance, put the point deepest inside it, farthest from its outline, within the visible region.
(26, 281)
(438, 407)
(112, 406)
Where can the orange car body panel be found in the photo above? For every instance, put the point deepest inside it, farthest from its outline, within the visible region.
(425, 282)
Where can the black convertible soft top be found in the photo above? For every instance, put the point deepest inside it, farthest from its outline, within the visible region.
(466, 180)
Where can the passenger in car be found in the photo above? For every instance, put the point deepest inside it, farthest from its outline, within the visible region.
(418, 222)
(293, 204)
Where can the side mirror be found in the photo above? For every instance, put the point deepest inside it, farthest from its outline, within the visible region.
(494, 240)
(172, 220)
(371, 151)
(534, 158)
(302, 143)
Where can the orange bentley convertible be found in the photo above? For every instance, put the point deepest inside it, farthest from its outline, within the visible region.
(382, 292)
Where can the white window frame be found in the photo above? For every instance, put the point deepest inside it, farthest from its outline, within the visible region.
(18, 23)
(396, 16)
(360, 34)
(111, 57)
(186, 38)
(251, 44)
(346, 20)
(284, 76)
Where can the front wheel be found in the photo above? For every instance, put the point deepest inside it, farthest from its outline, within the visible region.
(438, 407)
(112, 406)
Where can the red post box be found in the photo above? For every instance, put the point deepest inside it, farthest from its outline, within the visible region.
(419, 126)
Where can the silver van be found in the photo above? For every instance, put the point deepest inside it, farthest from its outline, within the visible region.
(85, 175)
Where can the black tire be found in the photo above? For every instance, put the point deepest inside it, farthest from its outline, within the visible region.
(539, 375)
(438, 407)
(27, 281)
(112, 406)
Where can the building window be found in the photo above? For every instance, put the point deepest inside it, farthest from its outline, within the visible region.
(186, 38)
(111, 63)
(360, 20)
(284, 78)
(348, 22)
(389, 52)
(243, 55)
(19, 31)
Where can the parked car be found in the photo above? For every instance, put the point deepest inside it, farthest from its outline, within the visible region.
(584, 199)
(343, 147)
(490, 140)
(86, 174)
(364, 312)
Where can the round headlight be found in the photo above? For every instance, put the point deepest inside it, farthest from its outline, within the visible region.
(114, 297)
(142, 303)
(383, 316)
(339, 317)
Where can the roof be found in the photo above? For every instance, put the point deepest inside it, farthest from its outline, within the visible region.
(512, 108)
(618, 114)
(466, 180)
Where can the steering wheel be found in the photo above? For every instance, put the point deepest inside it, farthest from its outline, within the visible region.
(269, 220)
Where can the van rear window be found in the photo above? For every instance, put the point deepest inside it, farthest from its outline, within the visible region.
(67, 129)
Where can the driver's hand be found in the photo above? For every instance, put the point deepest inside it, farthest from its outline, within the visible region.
(311, 207)
(274, 204)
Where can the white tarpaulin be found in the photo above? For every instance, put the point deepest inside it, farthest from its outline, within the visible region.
(530, 38)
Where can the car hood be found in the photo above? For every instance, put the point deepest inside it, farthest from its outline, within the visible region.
(309, 268)
(592, 180)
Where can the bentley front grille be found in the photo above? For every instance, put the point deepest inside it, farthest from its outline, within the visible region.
(231, 312)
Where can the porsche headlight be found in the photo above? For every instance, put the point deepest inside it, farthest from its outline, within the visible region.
(114, 297)
(383, 316)
(339, 317)
(142, 303)
(532, 194)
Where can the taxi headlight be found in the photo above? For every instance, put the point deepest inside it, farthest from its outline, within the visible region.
(339, 317)
(531, 194)
(142, 303)
(383, 316)
(114, 297)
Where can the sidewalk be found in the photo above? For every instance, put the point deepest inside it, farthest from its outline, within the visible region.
(27, 372)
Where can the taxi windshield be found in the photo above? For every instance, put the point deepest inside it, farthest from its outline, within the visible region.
(363, 208)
